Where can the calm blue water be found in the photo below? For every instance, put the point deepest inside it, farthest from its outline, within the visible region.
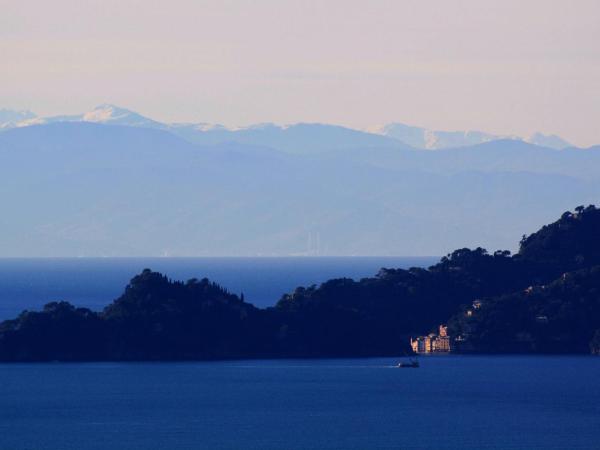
(452, 402)
(95, 282)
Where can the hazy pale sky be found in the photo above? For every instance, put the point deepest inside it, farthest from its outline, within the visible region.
(504, 66)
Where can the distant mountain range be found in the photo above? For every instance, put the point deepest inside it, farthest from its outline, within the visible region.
(423, 138)
(112, 183)
(296, 138)
(10, 118)
(104, 114)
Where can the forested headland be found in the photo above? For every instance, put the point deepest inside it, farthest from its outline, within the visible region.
(543, 299)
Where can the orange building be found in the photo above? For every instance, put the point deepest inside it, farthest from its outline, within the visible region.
(432, 343)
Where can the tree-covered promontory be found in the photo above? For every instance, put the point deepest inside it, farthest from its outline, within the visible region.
(559, 317)
(154, 319)
(157, 318)
(545, 298)
(570, 243)
(559, 312)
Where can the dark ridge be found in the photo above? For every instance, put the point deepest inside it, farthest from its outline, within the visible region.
(544, 299)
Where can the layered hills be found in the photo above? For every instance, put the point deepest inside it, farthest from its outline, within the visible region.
(113, 183)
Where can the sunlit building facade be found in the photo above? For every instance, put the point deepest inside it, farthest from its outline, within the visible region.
(432, 343)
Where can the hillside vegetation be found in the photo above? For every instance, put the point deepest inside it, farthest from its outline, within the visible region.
(545, 298)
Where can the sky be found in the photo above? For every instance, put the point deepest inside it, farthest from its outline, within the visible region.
(502, 66)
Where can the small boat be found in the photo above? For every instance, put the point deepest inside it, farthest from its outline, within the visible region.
(410, 364)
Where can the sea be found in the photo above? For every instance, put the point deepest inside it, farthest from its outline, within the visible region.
(450, 402)
(29, 283)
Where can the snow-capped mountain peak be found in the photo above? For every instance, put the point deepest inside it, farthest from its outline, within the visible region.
(106, 113)
(115, 115)
(549, 140)
(270, 134)
(9, 118)
(427, 139)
